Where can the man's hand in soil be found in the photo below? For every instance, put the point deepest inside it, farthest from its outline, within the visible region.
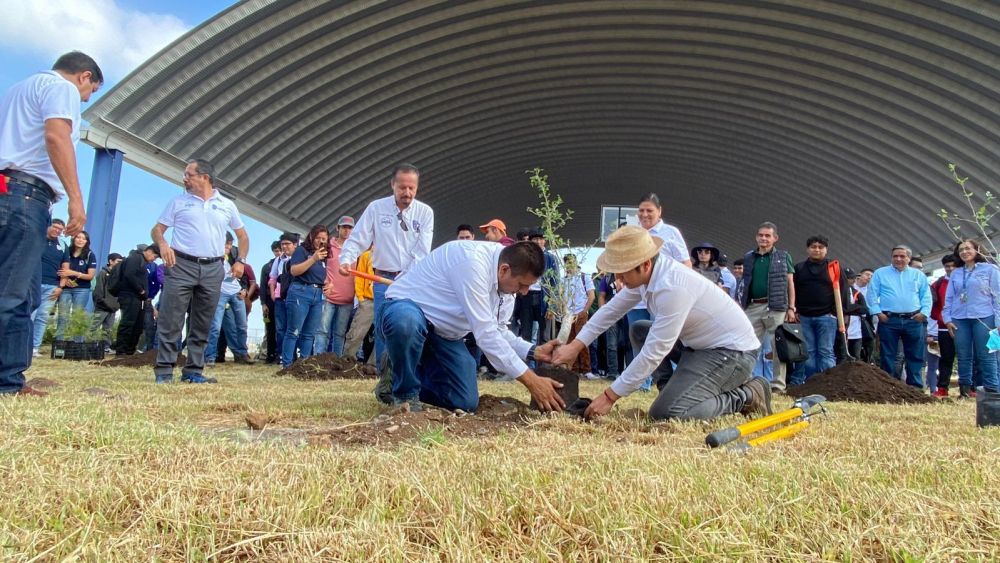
(544, 352)
(564, 355)
(543, 391)
(601, 405)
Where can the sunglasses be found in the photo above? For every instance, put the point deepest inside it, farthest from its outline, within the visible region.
(402, 223)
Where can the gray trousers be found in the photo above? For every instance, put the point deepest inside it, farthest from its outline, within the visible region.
(764, 322)
(362, 322)
(705, 384)
(104, 320)
(188, 285)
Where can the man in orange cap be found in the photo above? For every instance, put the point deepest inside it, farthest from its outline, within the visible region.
(496, 231)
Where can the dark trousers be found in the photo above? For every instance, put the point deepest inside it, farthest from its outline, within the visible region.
(187, 285)
(269, 335)
(149, 326)
(131, 323)
(530, 313)
(946, 364)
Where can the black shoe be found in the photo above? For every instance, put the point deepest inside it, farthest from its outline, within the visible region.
(245, 360)
(759, 402)
(966, 392)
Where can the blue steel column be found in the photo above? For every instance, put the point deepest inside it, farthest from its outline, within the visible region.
(102, 201)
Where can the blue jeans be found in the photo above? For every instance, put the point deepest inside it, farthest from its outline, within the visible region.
(334, 320)
(304, 310)
(71, 300)
(234, 319)
(634, 316)
(970, 342)
(440, 372)
(24, 218)
(378, 291)
(40, 317)
(912, 334)
(819, 334)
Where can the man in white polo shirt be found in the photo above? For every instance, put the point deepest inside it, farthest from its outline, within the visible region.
(402, 229)
(39, 124)
(429, 311)
(713, 376)
(194, 262)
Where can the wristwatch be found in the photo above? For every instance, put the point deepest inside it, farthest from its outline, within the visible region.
(242, 260)
(531, 352)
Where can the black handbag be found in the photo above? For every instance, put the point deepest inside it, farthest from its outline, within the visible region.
(789, 343)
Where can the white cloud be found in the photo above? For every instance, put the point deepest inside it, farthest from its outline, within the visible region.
(119, 39)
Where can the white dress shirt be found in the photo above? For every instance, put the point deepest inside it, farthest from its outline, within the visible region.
(23, 111)
(673, 247)
(457, 289)
(200, 225)
(685, 305)
(396, 249)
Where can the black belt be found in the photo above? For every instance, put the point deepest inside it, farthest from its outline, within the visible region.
(760, 300)
(28, 180)
(191, 258)
(902, 315)
(384, 272)
(316, 285)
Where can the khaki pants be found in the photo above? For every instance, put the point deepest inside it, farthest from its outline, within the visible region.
(764, 322)
(359, 329)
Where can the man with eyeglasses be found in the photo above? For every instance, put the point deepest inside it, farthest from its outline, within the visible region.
(194, 264)
(401, 230)
(39, 126)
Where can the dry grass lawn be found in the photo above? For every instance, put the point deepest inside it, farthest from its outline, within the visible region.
(167, 473)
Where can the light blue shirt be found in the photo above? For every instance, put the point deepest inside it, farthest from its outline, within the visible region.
(972, 294)
(892, 291)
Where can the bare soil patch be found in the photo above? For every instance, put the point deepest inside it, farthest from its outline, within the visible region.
(861, 383)
(144, 360)
(329, 366)
(42, 383)
(431, 425)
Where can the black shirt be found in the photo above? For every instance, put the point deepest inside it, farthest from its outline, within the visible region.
(80, 264)
(814, 290)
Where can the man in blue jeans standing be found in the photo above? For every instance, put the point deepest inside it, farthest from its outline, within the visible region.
(901, 298)
(39, 124)
(51, 262)
(462, 287)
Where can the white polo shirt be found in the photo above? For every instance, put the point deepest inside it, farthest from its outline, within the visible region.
(684, 305)
(456, 287)
(199, 226)
(396, 249)
(23, 111)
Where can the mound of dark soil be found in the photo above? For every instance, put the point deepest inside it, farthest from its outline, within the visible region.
(570, 391)
(432, 424)
(329, 366)
(144, 360)
(859, 382)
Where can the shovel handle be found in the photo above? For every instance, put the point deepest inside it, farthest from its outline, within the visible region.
(370, 277)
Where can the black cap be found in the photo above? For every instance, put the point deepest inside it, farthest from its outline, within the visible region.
(536, 233)
(114, 256)
(849, 273)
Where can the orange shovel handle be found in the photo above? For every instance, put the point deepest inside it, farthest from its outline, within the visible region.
(371, 277)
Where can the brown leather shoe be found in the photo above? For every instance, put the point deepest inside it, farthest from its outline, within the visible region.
(759, 402)
(31, 392)
(245, 360)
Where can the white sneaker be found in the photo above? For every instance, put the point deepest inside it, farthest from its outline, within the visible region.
(590, 375)
(35, 353)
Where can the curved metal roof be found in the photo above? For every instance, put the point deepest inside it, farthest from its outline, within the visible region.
(835, 117)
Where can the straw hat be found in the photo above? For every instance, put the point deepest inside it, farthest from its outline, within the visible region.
(626, 248)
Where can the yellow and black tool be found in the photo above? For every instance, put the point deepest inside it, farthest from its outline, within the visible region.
(778, 425)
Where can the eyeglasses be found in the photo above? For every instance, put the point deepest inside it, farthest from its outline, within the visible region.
(402, 223)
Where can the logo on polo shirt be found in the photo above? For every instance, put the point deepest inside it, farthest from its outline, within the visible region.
(416, 226)
(385, 221)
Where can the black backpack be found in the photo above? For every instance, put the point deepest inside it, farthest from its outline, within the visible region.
(789, 343)
(114, 282)
(285, 278)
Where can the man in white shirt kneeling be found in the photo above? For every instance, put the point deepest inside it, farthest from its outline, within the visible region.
(461, 287)
(713, 377)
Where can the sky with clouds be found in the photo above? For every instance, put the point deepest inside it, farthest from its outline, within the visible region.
(120, 35)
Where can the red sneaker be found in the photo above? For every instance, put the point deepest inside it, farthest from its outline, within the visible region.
(941, 393)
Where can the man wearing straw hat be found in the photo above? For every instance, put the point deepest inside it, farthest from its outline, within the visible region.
(713, 377)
